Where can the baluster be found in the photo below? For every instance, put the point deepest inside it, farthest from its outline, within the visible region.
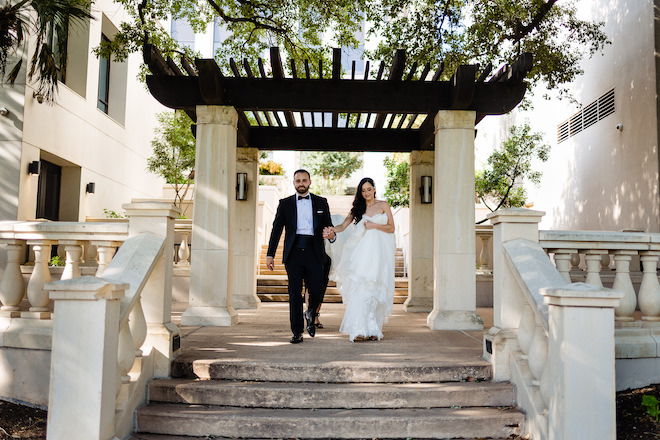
(184, 252)
(546, 386)
(484, 262)
(575, 261)
(623, 284)
(105, 252)
(649, 291)
(38, 297)
(563, 262)
(138, 325)
(538, 354)
(605, 262)
(125, 360)
(526, 328)
(73, 253)
(593, 258)
(12, 286)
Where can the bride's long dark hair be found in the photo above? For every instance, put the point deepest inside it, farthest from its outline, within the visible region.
(359, 203)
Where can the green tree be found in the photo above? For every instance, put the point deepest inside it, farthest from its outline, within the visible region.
(450, 31)
(173, 155)
(331, 167)
(397, 192)
(500, 181)
(47, 23)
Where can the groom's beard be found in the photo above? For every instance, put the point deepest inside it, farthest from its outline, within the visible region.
(302, 189)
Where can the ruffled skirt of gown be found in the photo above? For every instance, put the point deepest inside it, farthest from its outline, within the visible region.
(365, 278)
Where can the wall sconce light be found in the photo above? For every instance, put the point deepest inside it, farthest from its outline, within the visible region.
(241, 186)
(34, 167)
(38, 96)
(4, 111)
(90, 188)
(426, 189)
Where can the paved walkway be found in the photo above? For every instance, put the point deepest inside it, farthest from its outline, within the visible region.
(263, 334)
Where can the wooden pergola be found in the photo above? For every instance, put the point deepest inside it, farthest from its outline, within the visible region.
(389, 112)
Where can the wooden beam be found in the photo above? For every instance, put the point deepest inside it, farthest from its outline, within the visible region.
(438, 72)
(248, 69)
(338, 139)
(172, 65)
(187, 67)
(336, 64)
(485, 73)
(211, 82)
(462, 90)
(234, 68)
(155, 61)
(278, 73)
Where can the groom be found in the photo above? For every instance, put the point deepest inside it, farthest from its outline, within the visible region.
(303, 216)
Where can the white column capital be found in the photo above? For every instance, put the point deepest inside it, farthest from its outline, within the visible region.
(581, 295)
(515, 215)
(247, 154)
(422, 157)
(459, 119)
(217, 114)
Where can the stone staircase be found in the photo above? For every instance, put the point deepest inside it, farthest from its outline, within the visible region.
(354, 400)
(272, 285)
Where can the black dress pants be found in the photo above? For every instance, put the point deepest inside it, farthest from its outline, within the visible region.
(302, 265)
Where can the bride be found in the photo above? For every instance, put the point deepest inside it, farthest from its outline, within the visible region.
(364, 272)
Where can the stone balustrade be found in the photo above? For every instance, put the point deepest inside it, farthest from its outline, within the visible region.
(553, 339)
(40, 237)
(601, 250)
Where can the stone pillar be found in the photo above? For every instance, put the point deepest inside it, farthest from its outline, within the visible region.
(454, 252)
(420, 270)
(156, 298)
(508, 302)
(507, 225)
(83, 368)
(245, 243)
(211, 265)
(580, 334)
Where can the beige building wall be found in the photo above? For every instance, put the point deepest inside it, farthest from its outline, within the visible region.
(601, 178)
(91, 146)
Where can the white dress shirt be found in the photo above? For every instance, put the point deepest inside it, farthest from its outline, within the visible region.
(305, 223)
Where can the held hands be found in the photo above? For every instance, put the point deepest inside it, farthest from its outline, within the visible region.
(329, 233)
(270, 263)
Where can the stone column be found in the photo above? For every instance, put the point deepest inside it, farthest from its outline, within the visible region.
(420, 270)
(454, 252)
(245, 243)
(156, 298)
(580, 334)
(211, 265)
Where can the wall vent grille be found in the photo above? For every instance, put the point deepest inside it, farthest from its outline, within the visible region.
(588, 116)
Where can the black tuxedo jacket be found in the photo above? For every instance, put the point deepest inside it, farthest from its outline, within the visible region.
(286, 218)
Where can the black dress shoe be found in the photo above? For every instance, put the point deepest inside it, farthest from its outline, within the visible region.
(311, 328)
(297, 338)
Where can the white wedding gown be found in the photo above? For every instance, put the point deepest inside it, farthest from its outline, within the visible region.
(364, 273)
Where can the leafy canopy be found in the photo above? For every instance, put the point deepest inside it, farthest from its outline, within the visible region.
(450, 31)
(331, 167)
(499, 183)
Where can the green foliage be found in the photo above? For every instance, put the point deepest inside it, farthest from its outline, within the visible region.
(488, 32)
(651, 404)
(47, 22)
(112, 214)
(397, 192)
(57, 261)
(271, 168)
(173, 155)
(500, 181)
(331, 168)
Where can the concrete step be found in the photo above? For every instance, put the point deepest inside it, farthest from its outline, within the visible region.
(198, 420)
(283, 290)
(342, 372)
(328, 396)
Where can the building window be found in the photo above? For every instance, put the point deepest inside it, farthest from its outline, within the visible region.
(590, 114)
(183, 34)
(104, 81)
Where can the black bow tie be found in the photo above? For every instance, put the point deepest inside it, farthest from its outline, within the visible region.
(303, 197)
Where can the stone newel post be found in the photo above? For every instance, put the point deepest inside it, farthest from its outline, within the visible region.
(581, 362)
(212, 258)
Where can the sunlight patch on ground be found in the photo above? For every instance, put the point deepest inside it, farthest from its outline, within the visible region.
(261, 344)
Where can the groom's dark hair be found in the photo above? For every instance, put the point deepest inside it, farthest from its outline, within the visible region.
(302, 171)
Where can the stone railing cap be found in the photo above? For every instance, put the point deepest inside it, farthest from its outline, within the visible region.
(515, 215)
(87, 287)
(581, 294)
